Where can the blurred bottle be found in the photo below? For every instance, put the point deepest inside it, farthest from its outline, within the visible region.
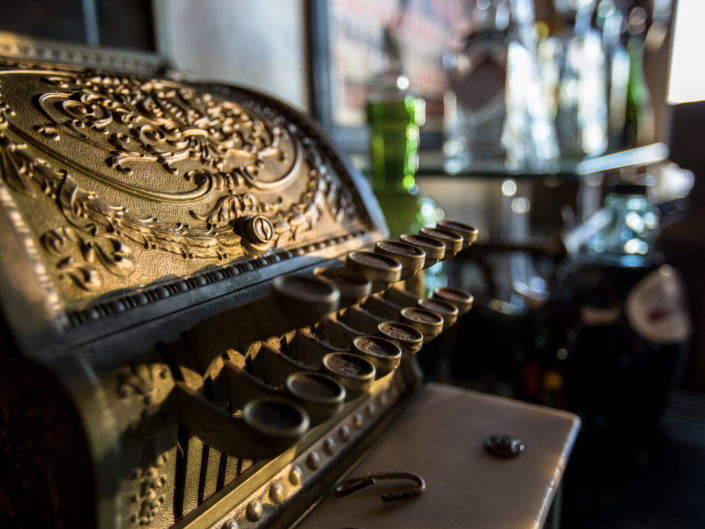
(581, 119)
(394, 115)
(476, 65)
(528, 134)
(630, 229)
(497, 115)
(640, 127)
(623, 330)
(610, 20)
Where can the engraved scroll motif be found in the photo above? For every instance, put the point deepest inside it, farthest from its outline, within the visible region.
(221, 153)
(22, 172)
(5, 110)
(141, 380)
(80, 256)
(136, 122)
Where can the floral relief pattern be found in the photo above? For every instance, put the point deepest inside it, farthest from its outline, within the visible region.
(24, 173)
(150, 495)
(137, 122)
(141, 380)
(229, 160)
(82, 257)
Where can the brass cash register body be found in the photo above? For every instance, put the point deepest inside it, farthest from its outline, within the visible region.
(203, 326)
(143, 223)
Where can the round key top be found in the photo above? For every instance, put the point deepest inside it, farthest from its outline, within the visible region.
(406, 337)
(353, 372)
(275, 419)
(374, 266)
(468, 233)
(461, 299)
(352, 285)
(453, 241)
(429, 323)
(306, 296)
(445, 310)
(410, 257)
(381, 353)
(320, 395)
(434, 249)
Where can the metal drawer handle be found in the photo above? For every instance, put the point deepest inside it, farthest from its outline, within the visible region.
(360, 482)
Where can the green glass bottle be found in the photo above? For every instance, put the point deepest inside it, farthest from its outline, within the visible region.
(640, 123)
(394, 115)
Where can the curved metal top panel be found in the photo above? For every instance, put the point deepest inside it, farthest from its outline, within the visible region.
(124, 190)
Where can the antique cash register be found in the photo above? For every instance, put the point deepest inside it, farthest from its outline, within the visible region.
(204, 324)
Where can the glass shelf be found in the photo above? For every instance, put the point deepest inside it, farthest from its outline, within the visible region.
(431, 164)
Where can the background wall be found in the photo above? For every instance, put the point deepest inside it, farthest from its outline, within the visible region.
(256, 44)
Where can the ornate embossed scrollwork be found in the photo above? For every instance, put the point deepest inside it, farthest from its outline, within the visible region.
(232, 207)
(79, 256)
(87, 212)
(140, 380)
(4, 111)
(168, 168)
(24, 173)
(149, 497)
(162, 122)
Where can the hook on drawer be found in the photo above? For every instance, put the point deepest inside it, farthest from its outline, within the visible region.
(360, 482)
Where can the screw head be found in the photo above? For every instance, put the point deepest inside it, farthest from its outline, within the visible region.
(277, 492)
(295, 476)
(344, 432)
(254, 511)
(329, 446)
(503, 445)
(313, 461)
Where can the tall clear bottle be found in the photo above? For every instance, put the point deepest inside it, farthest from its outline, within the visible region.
(496, 112)
(610, 19)
(582, 115)
(474, 104)
(528, 135)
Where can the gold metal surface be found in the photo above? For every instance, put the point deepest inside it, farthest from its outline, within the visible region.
(208, 381)
(452, 240)
(127, 182)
